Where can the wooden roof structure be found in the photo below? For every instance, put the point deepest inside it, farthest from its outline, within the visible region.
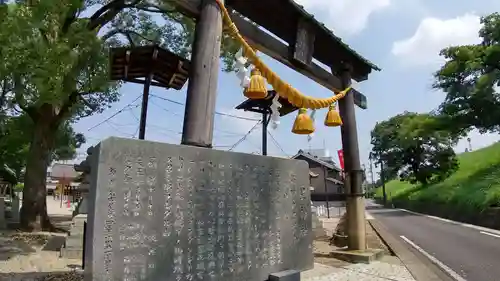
(131, 63)
(263, 105)
(307, 38)
(328, 48)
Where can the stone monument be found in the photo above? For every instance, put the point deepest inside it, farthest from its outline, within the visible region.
(171, 212)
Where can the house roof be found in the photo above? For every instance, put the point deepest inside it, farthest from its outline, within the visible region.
(316, 159)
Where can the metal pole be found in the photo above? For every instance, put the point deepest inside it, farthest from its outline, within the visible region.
(265, 122)
(356, 224)
(203, 75)
(327, 197)
(144, 107)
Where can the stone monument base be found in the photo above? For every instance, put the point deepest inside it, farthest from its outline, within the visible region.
(367, 256)
(287, 275)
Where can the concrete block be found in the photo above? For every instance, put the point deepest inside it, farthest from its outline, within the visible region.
(366, 256)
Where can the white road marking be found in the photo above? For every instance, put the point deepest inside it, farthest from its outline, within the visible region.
(443, 266)
(480, 228)
(490, 234)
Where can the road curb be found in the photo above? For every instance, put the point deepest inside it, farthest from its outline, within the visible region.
(420, 268)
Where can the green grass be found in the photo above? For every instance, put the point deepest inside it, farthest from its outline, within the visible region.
(474, 186)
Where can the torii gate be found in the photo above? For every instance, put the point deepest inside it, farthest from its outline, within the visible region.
(306, 38)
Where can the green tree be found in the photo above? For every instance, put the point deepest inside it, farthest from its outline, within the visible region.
(470, 77)
(16, 136)
(55, 64)
(414, 147)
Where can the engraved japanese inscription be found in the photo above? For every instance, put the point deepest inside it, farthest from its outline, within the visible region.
(170, 212)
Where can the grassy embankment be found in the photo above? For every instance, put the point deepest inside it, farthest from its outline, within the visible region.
(475, 186)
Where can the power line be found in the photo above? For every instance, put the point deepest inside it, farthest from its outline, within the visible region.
(228, 133)
(245, 136)
(277, 144)
(131, 106)
(216, 112)
(128, 106)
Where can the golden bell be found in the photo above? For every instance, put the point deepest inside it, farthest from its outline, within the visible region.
(257, 87)
(333, 117)
(303, 124)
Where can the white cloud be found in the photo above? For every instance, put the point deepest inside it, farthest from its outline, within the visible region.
(432, 35)
(344, 16)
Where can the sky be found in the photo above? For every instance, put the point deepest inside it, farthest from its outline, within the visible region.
(402, 37)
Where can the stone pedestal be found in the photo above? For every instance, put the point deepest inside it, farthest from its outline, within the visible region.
(73, 247)
(287, 275)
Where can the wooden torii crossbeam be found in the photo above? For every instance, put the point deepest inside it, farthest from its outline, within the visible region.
(306, 37)
(150, 66)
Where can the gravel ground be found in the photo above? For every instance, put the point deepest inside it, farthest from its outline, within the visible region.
(22, 258)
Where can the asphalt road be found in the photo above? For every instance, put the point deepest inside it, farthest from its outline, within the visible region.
(468, 252)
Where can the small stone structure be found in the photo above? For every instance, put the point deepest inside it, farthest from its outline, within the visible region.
(317, 226)
(73, 247)
(172, 212)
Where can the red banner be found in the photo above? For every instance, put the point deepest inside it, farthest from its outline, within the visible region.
(340, 152)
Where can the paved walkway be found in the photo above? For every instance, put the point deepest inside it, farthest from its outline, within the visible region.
(388, 268)
(54, 207)
(376, 271)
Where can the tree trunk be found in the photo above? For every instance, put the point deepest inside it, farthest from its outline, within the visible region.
(34, 208)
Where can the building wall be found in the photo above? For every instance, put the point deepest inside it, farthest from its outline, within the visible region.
(332, 191)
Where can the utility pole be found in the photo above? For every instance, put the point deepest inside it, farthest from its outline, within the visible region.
(371, 171)
(203, 75)
(382, 178)
(356, 225)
